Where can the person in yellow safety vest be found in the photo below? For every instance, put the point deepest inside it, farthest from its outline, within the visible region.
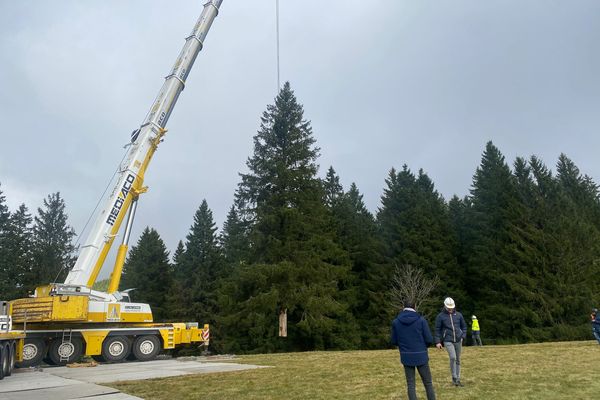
(475, 332)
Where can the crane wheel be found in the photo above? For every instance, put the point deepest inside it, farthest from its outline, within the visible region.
(34, 351)
(146, 348)
(13, 357)
(115, 348)
(63, 353)
(6, 359)
(2, 360)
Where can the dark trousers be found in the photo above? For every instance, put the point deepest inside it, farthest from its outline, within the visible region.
(596, 332)
(411, 383)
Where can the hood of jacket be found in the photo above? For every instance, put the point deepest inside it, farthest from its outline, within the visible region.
(408, 317)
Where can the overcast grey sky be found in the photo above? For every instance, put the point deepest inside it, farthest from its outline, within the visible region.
(384, 82)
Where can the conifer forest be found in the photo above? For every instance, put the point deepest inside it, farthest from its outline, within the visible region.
(521, 250)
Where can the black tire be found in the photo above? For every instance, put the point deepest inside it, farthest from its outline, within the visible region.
(34, 351)
(2, 361)
(13, 357)
(146, 348)
(48, 361)
(116, 348)
(6, 361)
(67, 351)
(98, 358)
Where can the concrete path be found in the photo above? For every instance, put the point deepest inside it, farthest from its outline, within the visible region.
(62, 383)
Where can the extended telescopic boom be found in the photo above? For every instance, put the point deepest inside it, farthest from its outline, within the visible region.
(129, 186)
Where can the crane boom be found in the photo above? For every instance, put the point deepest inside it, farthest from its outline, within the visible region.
(144, 142)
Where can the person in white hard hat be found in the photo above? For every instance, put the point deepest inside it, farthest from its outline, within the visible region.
(475, 331)
(451, 329)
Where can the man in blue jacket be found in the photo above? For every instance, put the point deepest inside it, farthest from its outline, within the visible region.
(411, 334)
(451, 329)
(596, 324)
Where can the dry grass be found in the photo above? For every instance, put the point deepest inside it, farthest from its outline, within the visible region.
(567, 370)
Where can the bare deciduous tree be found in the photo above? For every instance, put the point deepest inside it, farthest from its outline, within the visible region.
(410, 283)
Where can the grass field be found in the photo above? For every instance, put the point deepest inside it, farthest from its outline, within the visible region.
(566, 370)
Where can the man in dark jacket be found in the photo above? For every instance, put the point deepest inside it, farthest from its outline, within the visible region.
(596, 324)
(410, 332)
(451, 329)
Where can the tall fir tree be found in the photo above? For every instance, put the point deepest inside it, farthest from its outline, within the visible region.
(333, 189)
(52, 243)
(5, 266)
(415, 227)
(234, 240)
(4, 212)
(295, 263)
(17, 264)
(177, 306)
(356, 233)
(502, 251)
(200, 266)
(147, 269)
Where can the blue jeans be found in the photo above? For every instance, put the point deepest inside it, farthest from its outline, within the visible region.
(454, 350)
(596, 334)
(411, 383)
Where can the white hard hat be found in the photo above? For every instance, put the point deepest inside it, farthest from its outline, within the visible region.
(449, 303)
(473, 317)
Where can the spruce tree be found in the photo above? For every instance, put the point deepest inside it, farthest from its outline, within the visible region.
(52, 243)
(333, 189)
(177, 307)
(5, 265)
(234, 239)
(503, 250)
(200, 266)
(4, 212)
(357, 235)
(179, 253)
(577, 244)
(17, 263)
(147, 269)
(295, 263)
(416, 229)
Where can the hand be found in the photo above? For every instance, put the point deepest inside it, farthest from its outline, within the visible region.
(439, 346)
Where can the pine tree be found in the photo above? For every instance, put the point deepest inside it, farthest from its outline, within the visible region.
(52, 243)
(4, 212)
(294, 262)
(234, 239)
(416, 229)
(200, 266)
(503, 249)
(179, 253)
(5, 265)
(16, 267)
(356, 232)
(576, 248)
(147, 269)
(333, 189)
(177, 305)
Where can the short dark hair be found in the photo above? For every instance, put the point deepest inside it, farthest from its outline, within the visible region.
(409, 303)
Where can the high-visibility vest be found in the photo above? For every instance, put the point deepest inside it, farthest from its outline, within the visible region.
(475, 325)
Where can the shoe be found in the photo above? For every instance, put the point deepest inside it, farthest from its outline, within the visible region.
(454, 382)
(459, 383)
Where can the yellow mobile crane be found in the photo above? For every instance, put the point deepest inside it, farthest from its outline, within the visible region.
(65, 320)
